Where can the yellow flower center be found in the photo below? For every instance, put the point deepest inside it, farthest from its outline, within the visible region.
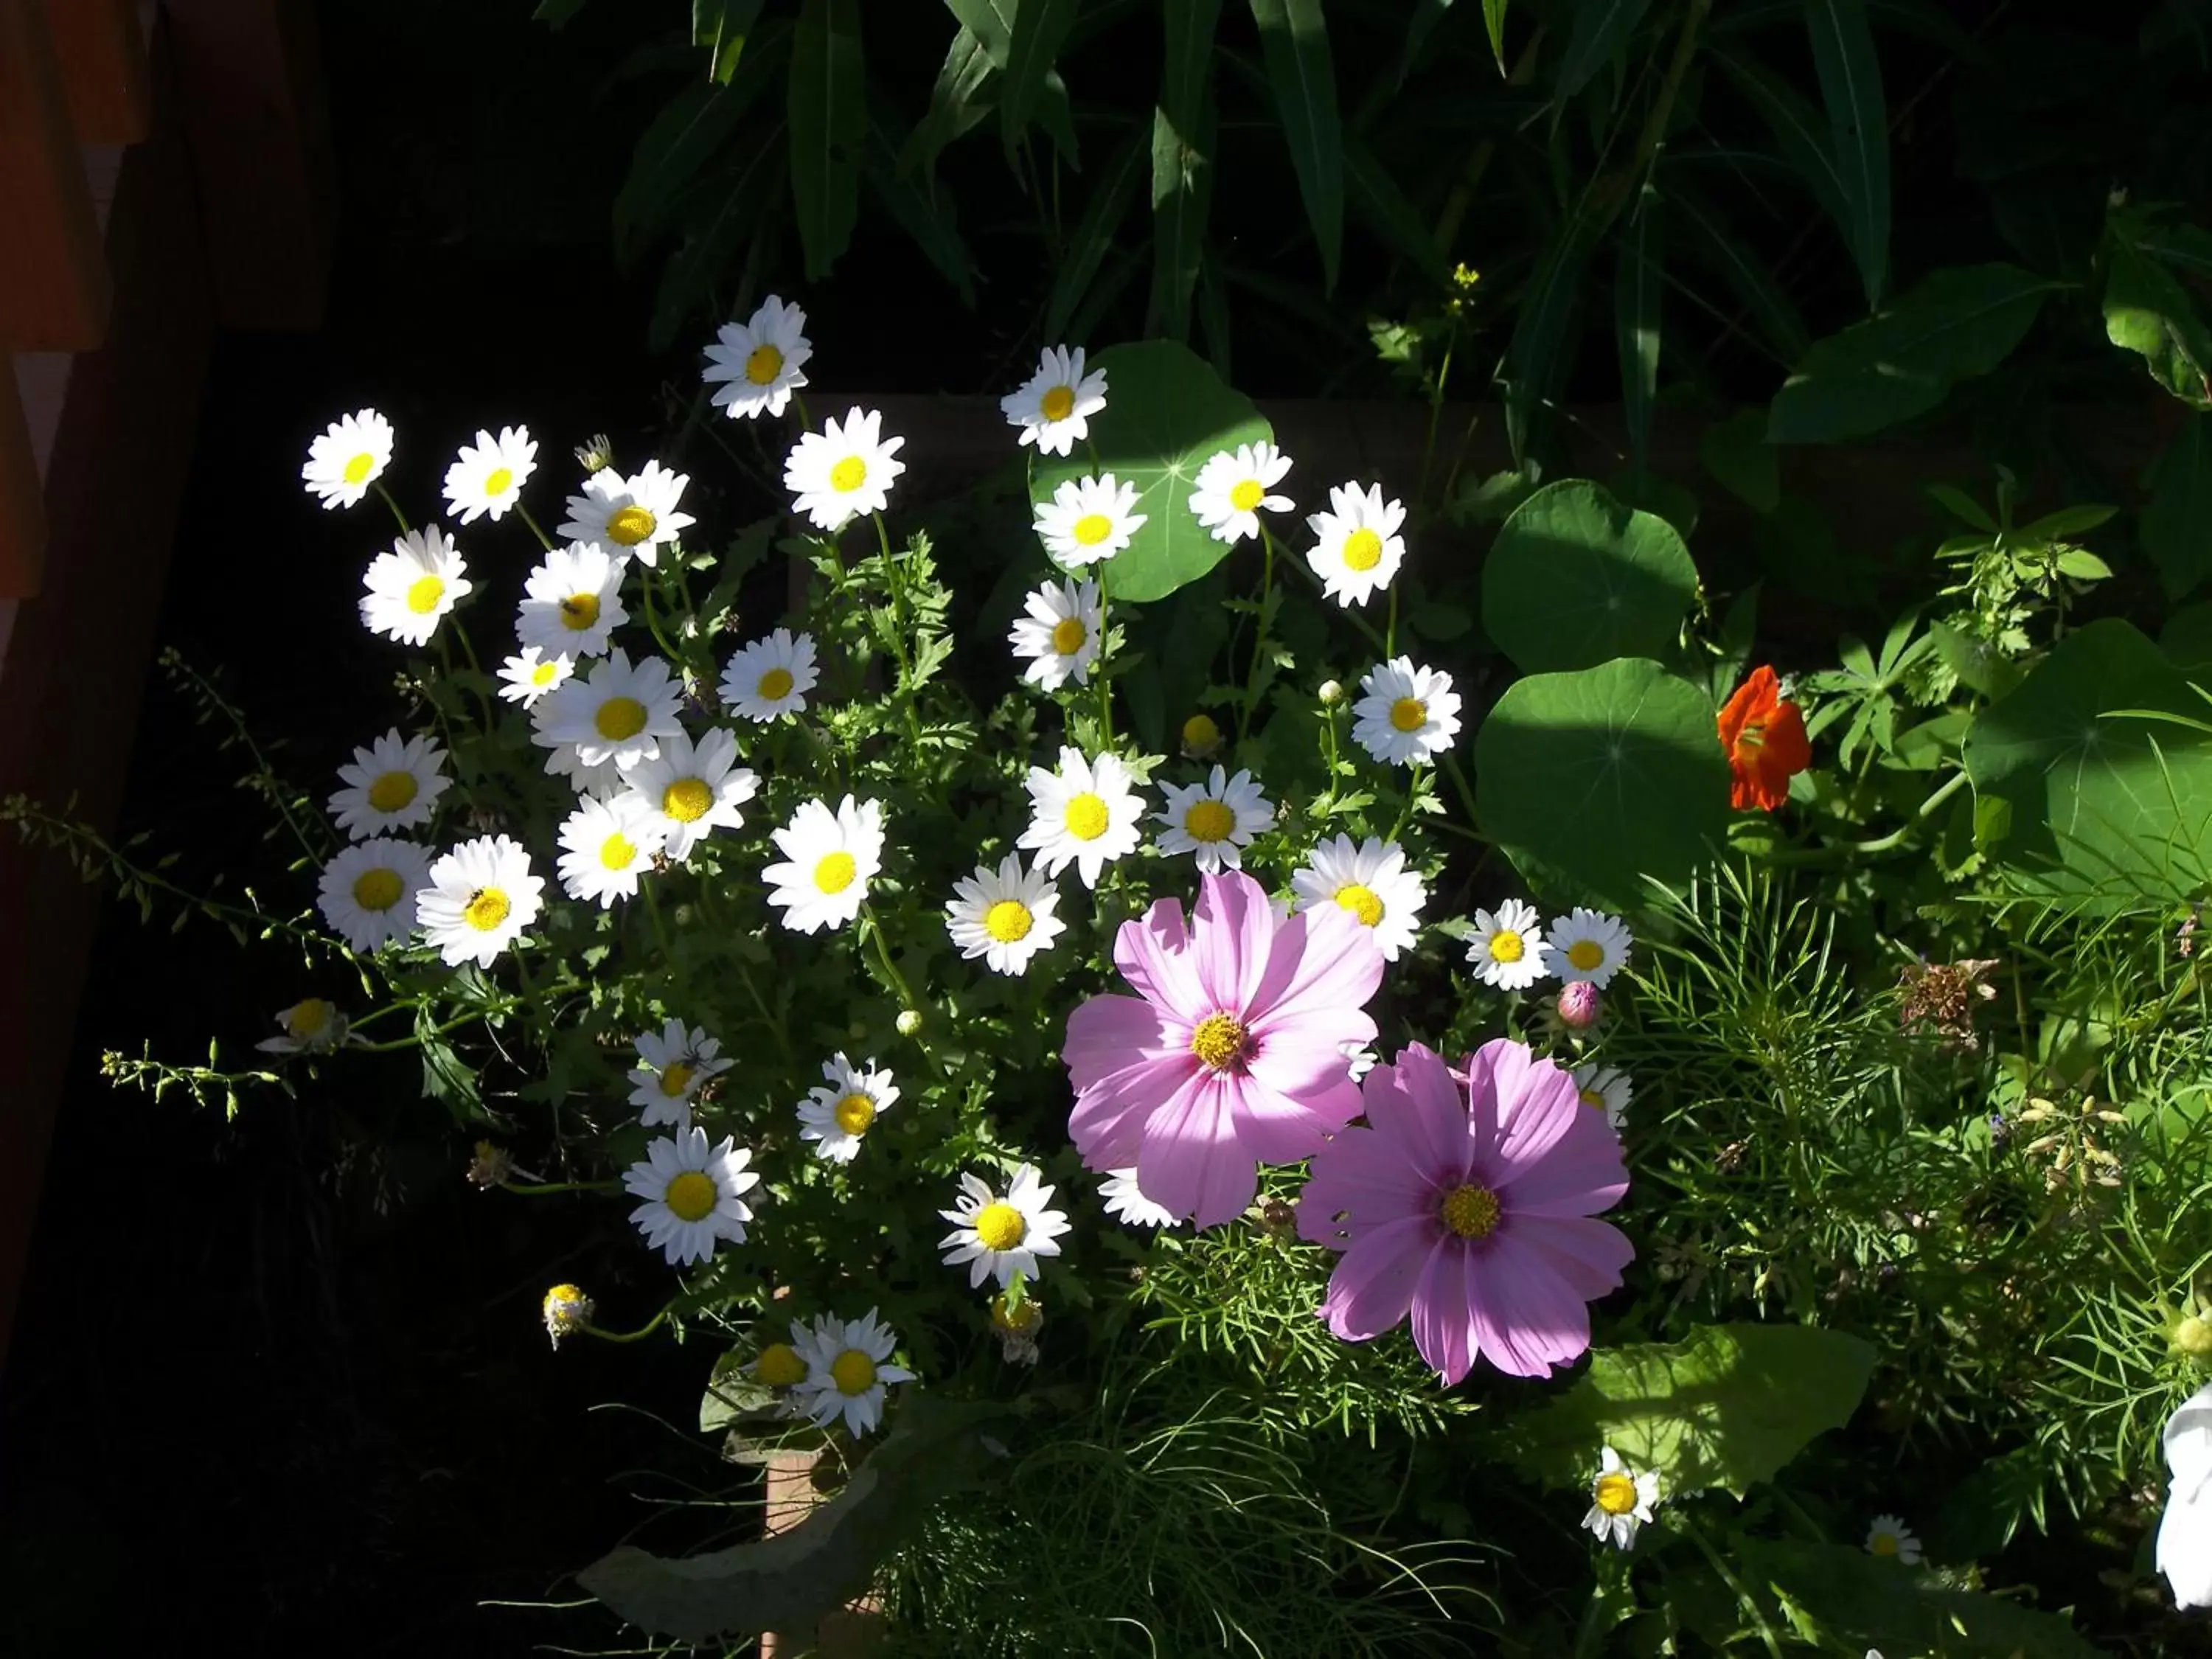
(487, 907)
(763, 364)
(852, 1371)
(1586, 954)
(691, 1196)
(578, 611)
(1007, 921)
(1092, 528)
(376, 889)
(1086, 816)
(1000, 1226)
(358, 469)
(1882, 1543)
(1506, 945)
(391, 792)
(687, 800)
(305, 1021)
(565, 1308)
(1058, 402)
(1409, 713)
(779, 1366)
(1361, 902)
(544, 673)
(620, 718)
(497, 481)
(855, 1113)
(675, 1079)
(1363, 550)
(1200, 732)
(774, 685)
(424, 594)
(1616, 1493)
(848, 475)
(1219, 1039)
(1068, 636)
(1592, 1099)
(1247, 495)
(1470, 1211)
(835, 874)
(631, 525)
(1209, 821)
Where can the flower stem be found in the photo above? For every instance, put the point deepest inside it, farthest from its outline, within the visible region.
(1258, 634)
(536, 529)
(874, 927)
(394, 506)
(535, 1189)
(1098, 668)
(637, 1335)
(906, 686)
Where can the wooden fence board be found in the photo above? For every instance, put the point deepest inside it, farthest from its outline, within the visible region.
(53, 282)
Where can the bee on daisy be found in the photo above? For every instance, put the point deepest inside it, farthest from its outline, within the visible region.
(411, 588)
(838, 1113)
(1236, 486)
(1404, 715)
(771, 677)
(995, 1236)
(1508, 948)
(476, 900)
(847, 1367)
(637, 515)
(829, 857)
(673, 1064)
(1004, 915)
(1054, 407)
(572, 602)
(348, 458)
(529, 674)
(1060, 633)
(1088, 520)
(844, 471)
(617, 715)
(488, 476)
(392, 785)
(754, 366)
(692, 790)
(694, 1195)
(367, 893)
(1357, 548)
(606, 846)
(1216, 820)
(1087, 813)
(1587, 944)
(1370, 880)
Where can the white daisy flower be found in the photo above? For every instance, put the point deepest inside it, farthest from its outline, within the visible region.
(606, 847)
(348, 458)
(1507, 948)
(489, 475)
(478, 899)
(1621, 1501)
(393, 784)
(847, 1368)
(838, 1113)
(842, 471)
(1371, 880)
(636, 514)
(771, 677)
(831, 858)
(1054, 405)
(599, 780)
(1062, 634)
(1405, 714)
(412, 585)
(1005, 915)
(1233, 486)
(530, 674)
(572, 603)
(1888, 1535)
(757, 364)
(618, 714)
(1360, 549)
(1002, 1236)
(1604, 1089)
(1215, 820)
(367, 893)
(1088, 520)
(1126, 1198)
(309, 1027)
(694, 1195)
(1587, 944)
(674, 1063)
(1088, 814)
(692, 790)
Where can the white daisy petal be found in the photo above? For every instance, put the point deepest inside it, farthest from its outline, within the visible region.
(843, 470)
(367, 893)
(1054, 405)
(1126, 1198)
(1234, 487)
(845, 1371)
(572, 602)
(1214, 821)
(1888, 1535)
(488, 476)
(1587, 944)
(392, 785)
(694, 1195)
(1360, 549)
(771, 677)
(1088, 520)
(1088, 813)
(756, 365)
(1604, 1089)
(635, 515)
(1000, 1237)
(673, 1064)
(1369, 880)
(1405, 714)
(617, 715)
(838, 1114)
(1621, 1501)
(691, 791)
(1005, 915)
(477, 900)
(831, 858)
(530, 674)
(348, 458)
(1508, 950)
(606, 846)
(1060, 633)
(414, 585)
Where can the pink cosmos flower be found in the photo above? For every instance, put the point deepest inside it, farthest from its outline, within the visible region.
(1232, 1052)
(1471, 1213)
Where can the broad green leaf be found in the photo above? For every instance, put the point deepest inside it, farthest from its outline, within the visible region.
(1858, 127)
(1183, 192)
(1780, 327)
(2176, 520)
(1039, 27)
(2186, 640)
(955, 102)
(723, 28)
(1294, 42)
(2147, 311)
(1860, 1601)
(1639, 278)
(1112, 190)
(1539, 353)
(828, 114)
(1798, 131)
(991, 21)
(688, 136)
(1187, 73)
(1376, 196)
(1166, 414)
(1603, 777)
(1728, 1407)
(1736, 452)
(740, 193)
(927, 222)
(1575, 579)
(732, 1393)
(2101, 800)
(1960, 322)
(1602, 28)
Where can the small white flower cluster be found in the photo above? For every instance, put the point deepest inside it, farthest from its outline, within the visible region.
(834, 1369)
(1512, 950)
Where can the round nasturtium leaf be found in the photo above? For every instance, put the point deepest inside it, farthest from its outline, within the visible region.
(1597, 778)
(1167, 413)
(1576, 579)
(2098, 799)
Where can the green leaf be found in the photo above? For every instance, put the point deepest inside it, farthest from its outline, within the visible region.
(1575, 579)
(1755, 289)
(740, 195)
(2101, 800)
(2176, 520)
(1182, 161)
(1166, 414)
(1727, 1407)
(1602, 28)
(1427, 14)
(1963, 507)
(828, 114)
(1603, 777)
(991, 21)
(554, 13)
(955, 102)
(1861, 1600)
(927, 223)
(1797, 131)
(934, 1449)
(693, 128)
(2083, 566)
(723, 26)
(2186, 639)
(1039, 28)
(1960, 322)
(1377, 199)
(1096, 234)
(2147, 311)
(1294, 42)
(1637, 280)
(1493, 24)
(733, 1393)
(1858, 126)
(1540, 352)
(1736, 453)
(1187, 77)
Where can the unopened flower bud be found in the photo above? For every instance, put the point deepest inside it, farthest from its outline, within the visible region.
(1278, 1217)
(2193, 1336)
(1201, 737)
(910, 1023)
(567, 1311)
(1580, 1004)
(596, 456)
(1331, 693)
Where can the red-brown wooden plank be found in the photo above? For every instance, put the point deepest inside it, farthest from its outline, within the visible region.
(53, 282)
(102, 59)
(22, 505)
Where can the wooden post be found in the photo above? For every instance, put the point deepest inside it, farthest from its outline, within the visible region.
(23, 501)
(102, 59)
(53, 279)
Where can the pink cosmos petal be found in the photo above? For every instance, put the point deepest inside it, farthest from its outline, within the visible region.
(1582, 1174)
(1153, 952)
(1589, 1255)
(1191, 1160)
(1277, 1127)
(1416, 1102)
(1372, 1288)
(1367, 1178)
(1526, 1318)
(1324, 963)
(1445, 1327)
(1296, 1063)
(1537, 1101)
(1107, 1123)
(1111, 1033)
(1236, 938)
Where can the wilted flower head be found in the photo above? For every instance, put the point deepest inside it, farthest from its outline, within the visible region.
(491, 1166)
(567, 1310)
(1937, 999)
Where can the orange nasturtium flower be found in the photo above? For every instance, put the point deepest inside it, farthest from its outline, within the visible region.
(1765, 738)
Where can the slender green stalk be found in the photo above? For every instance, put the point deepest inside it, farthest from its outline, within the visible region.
(637, 1335)
(540, 1188)
(1259, 632)
(536, 529)
(1098, 668)
(397, 515)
